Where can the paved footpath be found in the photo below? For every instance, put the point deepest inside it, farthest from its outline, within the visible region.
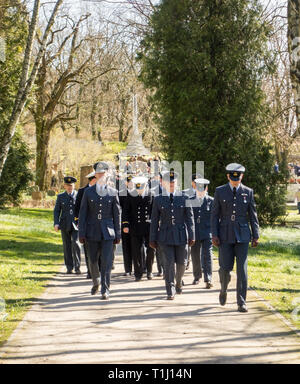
(138, 325)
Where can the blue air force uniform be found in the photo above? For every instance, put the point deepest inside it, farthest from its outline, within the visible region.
(100, 225)
(201, 251)
(126, 244)
(137, 213)
(232, 210)
(160, 260)
(172, 226)
(79, 197)
(64, 217)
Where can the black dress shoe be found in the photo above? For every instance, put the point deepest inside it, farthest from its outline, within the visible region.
(104, 296)
(223, 298)
(113, 266)
(178, 290)
(138, 279)
(170, 297)
(182, 283)
(195, 282)
(95, 289)
(150, 276)
(208, 285)
(242, 308)
(159, 274)
(88, 276)
(78, 272)
(69, 272)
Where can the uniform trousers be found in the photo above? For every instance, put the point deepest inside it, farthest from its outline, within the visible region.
(138, 255)
(201, 253)
(174, 255)
(104, 250)
(160, 260)
(227, 253)
(71, 249)
(87, 259)
(126, 248)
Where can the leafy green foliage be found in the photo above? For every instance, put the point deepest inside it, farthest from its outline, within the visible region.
(16, 174)
(204, 62)
(13, 29)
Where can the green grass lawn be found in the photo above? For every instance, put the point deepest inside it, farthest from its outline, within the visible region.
(274, 269)
(30, 254)
(293, 218)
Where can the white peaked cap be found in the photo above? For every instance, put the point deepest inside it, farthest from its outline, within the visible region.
(234, 167)
(140, 180)
(202, 181)
(90, 175)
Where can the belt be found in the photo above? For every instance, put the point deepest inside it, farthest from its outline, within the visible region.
(166, 226)
(232, 217)
(100, 217)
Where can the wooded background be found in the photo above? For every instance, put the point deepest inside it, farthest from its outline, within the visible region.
(71, 69)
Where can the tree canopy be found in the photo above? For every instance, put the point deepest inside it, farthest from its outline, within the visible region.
(204, 62)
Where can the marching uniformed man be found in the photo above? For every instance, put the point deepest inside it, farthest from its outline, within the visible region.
(91, 181)
(64, 220)
(126, 243)
(172, 227)
(100, 228)
(190, 192)
(137, 214)
(157, 190)
(201, 251)
(233, 207)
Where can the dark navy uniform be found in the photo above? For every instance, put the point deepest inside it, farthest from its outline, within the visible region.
(64, 217)
(137, 214)
(201, 251)
(126, 244)
(77, 210)
(172, 226)
(100, 225)
(232, 209)
(155, 191)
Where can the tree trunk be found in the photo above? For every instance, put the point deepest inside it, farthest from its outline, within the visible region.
(26, 82)
(94, 112)
(99, 130)
(9, 132)
(294, 52)
(42, 153)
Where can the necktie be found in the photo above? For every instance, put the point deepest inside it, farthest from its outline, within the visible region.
(171, 197)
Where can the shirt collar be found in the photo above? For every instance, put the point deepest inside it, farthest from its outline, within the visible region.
(231, 187)
(100, 188)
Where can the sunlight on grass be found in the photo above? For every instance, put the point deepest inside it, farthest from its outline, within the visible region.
(274, 269)
(30, 254)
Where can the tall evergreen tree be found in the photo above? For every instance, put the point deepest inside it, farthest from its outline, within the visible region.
(204, 61)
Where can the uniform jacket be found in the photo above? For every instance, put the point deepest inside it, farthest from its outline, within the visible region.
(78, 199)
(100, 215)
(172, 223)
(64, 211)
(229, 218)
(157, 190)
(123, 196)
(137, 213)
(202, 215)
